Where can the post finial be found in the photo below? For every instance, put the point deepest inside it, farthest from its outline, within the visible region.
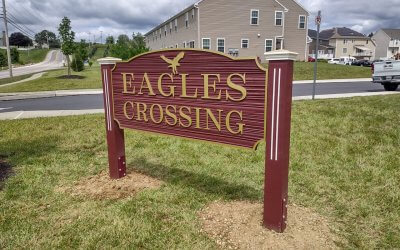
(280, 55)
(108, 60)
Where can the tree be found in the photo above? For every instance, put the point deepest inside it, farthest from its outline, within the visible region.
(126, 48)
(19, 39)
(47, 37)
(371, 34)
(82, 50)
(77, 63)
(67, 39)
(110, 40)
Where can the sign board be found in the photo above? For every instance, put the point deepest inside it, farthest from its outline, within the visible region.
(193, 94)
(209, 96)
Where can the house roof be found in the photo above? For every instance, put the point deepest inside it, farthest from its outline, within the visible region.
(195, 5)
(341, 32)
(313, 34)
(393, 33)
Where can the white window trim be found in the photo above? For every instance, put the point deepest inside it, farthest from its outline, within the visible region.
(258, 16)
(194, 45)
(281, 18)
(187, 20)
(241, 43)
(221, 38)
(184, 44)
(176, 25)
(280, 38)
(202, 42)
(272, 44)
(176, 45)
(193, 13)
(305, 22)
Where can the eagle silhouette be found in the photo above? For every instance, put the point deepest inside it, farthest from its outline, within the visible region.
(174, 63)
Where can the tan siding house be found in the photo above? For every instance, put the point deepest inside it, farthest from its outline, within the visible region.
(387, 43)
(236, 27)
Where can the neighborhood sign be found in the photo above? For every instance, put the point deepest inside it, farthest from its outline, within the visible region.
(209, 96)
(193, 94)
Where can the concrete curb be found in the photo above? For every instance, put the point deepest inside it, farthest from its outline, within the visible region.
(335, 80)
(46, 94)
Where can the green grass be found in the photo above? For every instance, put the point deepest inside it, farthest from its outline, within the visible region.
(50, 81)
(344, 165)
(14, 79)
(33, 56)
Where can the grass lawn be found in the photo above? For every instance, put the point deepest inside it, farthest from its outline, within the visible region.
(344, 165)
(14, 79)
(305, 71)
(50, 81)
(33, 56)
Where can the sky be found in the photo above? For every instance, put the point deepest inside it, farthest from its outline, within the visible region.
(92, 19)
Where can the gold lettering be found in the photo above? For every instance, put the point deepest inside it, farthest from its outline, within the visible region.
(213, 86)
(185, 116)
(197, 117)
(184, 88)
(237, 87)
(147, 81)
(211, 115)
(160, 111)
(126, 112)
(240, 125)
(125, 83)
(171, 88)
(141, 111)
(171, 115)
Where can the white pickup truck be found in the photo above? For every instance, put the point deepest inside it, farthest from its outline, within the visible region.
(387, 73)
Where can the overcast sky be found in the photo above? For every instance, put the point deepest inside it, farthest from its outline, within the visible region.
(126, 16)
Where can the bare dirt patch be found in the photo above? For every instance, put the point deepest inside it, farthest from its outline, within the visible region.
(101, 186)
(5, 172)
(237, 225)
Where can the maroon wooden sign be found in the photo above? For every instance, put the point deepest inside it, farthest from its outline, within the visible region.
(208, 96)
(194, 94)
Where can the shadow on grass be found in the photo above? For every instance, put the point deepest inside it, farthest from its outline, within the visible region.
(71, 77)
(202, 182)
(5, 171)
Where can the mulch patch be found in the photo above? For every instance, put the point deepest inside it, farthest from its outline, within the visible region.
(71, 77)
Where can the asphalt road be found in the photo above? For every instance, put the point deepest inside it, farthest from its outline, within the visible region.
(84, 102)
(53, 60)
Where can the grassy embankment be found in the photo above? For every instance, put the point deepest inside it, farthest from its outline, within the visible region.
(344, 165)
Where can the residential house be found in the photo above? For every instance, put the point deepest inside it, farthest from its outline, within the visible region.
(343, 42)
(235, 27)
(387, 43)
(325, 50)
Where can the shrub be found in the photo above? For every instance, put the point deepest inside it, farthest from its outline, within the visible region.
(14, 55)
(90, 63)
(3, 60)
(77, 63)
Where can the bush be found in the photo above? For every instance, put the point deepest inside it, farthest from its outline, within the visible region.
(90, 63)
(3, 60)
(14, 55)
(77, 63)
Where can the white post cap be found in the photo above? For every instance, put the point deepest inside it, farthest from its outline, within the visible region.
(108, 60)
(280, 55)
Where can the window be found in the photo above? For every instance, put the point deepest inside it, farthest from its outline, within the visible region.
(344, 41)
(278, 18)
(302, 22)
(206, 43)
(165, 30)
(221, 45)
(279, 43)
(159, 31)
(176, 45)
(268, 45)
(254, 14)
(367, 41)
(192, 13)
(187, 20)
(184, 44)
(245, 43)
(191, 44)
(176, 25)
(344, 50)
(170, 27)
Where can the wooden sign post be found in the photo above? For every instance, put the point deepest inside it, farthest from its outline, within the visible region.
(279, 103)
(209, 96)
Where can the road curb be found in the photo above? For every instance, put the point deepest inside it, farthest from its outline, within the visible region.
(47, 94)
(335, 80)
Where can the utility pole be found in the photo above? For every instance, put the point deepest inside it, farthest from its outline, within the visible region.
(7, 41)
(318, 23)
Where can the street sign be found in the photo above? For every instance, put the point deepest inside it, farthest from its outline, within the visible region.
(209, 96)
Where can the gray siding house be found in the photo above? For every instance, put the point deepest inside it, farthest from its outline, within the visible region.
(236, 27)
(387, 43)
